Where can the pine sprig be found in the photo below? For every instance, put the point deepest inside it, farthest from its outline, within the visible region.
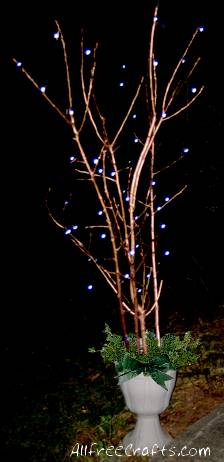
(173, 353)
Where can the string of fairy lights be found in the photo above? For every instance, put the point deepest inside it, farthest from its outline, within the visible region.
(99, 169)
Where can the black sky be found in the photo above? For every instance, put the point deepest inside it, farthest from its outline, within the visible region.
(42, 284)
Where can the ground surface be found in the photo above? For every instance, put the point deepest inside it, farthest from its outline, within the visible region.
(67, 401)
(195, 395)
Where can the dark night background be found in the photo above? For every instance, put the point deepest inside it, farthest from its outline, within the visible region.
(46, 306)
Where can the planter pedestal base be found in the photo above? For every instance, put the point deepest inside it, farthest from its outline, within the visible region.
(147, 399)
(146, 434)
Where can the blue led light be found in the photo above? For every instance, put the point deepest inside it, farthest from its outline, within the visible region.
(100, 212)
(167, 199)
(100, 170)
(126, 276)
(87, 51)
(75, 227)
(42, 89)
(68, 231)
(166, 253)
(201, 29)
(134, 116)
(56, 35)
(121, 84)
(18, 64)
(162, 226)
(163, 114)
(193, 90)
(90, 287)
(185, 150)
(103, 236)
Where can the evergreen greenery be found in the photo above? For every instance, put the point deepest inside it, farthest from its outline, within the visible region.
(173, 353)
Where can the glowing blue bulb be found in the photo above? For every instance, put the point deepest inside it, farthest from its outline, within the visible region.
(166, 253)
(148, 275)
(90, 287)
(121, 84)
(56, 35)
(18, 64)
(95, 161)
(87, 51)
(127, 198)
(126, 276)
(136, 140)
(100, 212)
(72, 158)
(185, 150)
(193, 90)
(158, 208)
(201, 29)
(123, 66)
(139, 291)
(155, 18)
(163, 115)
(183, 60)
(167, 199)
(134, 116)
(71, 111)
(100, 170)
(42, 89)
(163, 226)
(132, 252)
(66, 203)
(153, 183)
(103, 236)
(68, 231)
(113, 174)
(137, 246)
(136, 218)
(75, 227)
(155, 62)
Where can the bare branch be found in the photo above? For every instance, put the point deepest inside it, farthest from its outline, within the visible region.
(35, 84)
(171, 199)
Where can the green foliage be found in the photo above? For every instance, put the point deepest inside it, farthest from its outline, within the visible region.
(173, 353)
(157, 368)
(114, 348)
(180, 352)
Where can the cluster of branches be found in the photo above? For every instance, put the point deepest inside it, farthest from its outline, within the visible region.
(130, 221)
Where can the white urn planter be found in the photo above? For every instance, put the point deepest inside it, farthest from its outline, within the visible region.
(145, 398)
